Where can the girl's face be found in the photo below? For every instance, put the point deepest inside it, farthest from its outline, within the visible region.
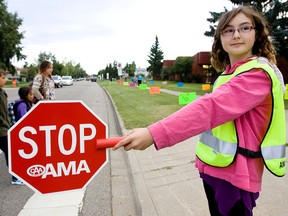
(30, 96)
(238, 38)
(49, 70)
(3, 80)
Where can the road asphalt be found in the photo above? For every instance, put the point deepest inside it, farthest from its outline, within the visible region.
(165, 183)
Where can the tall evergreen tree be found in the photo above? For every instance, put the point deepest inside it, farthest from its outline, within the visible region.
(155, 60)
(10, 37)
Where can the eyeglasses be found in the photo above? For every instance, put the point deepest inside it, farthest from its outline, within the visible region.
(230, 31)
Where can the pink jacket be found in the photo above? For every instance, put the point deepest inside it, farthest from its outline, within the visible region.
(246, 98)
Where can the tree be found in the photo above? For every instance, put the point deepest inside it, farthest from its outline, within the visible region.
(78, 71)
(10, 38)
(167, 73)
(276, 13)
(155, 60)
(112, 70)
(45, 56)
(183, 68)
(130, 69)
(278, 19)
(180, 71)
(57, 66)
(62, 69)
(32, 70)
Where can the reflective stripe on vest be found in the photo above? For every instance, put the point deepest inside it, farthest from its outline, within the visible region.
(218, 147)
(222, 147)
(273, 152)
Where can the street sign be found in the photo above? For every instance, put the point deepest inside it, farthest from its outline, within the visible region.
(53, 148)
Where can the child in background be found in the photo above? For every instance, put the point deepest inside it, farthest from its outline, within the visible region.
(242, 122)
(24, 104)
(5, 123)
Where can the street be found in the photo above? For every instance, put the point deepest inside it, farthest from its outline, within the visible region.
(98, 195)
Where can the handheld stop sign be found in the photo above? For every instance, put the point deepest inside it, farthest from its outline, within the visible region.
(53, 148)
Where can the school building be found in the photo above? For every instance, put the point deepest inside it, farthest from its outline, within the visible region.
(202, 67)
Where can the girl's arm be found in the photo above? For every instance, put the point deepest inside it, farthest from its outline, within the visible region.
(228, 102)
(37, 82)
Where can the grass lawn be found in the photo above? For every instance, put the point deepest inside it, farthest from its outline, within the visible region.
(187, 87)
(139, 108)
(20, 84)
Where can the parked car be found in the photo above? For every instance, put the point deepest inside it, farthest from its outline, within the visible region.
(93, 78)
(58, 81)
(67, 80)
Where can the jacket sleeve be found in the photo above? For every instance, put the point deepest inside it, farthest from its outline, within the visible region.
(232, 99)
(4, 116)
(36, 86)
(21, 110)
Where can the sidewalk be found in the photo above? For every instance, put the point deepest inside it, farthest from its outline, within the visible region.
(167, 183)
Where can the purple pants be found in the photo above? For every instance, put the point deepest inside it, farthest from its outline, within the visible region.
(226, 199)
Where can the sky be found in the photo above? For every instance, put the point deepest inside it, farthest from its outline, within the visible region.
(95, 33)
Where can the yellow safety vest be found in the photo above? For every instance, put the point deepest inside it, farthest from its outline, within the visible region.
(219, 146)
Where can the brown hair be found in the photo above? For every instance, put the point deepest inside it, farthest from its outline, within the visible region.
(262, 46)
(44, 66)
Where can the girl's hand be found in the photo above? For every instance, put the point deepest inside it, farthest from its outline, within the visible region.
(138, 139)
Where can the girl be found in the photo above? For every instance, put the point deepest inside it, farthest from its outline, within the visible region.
(242, 122)
(25, 102)
(43, 84)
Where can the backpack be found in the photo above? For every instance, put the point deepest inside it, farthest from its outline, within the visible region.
(12, 111)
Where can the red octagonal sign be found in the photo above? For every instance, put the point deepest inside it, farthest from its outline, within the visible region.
(53, 148)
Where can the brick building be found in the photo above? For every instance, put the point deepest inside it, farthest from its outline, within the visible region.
(203, 70)
(202, 67)
(167, 63)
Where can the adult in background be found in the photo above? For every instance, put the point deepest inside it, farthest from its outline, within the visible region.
(140, 78)
(43, 84)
